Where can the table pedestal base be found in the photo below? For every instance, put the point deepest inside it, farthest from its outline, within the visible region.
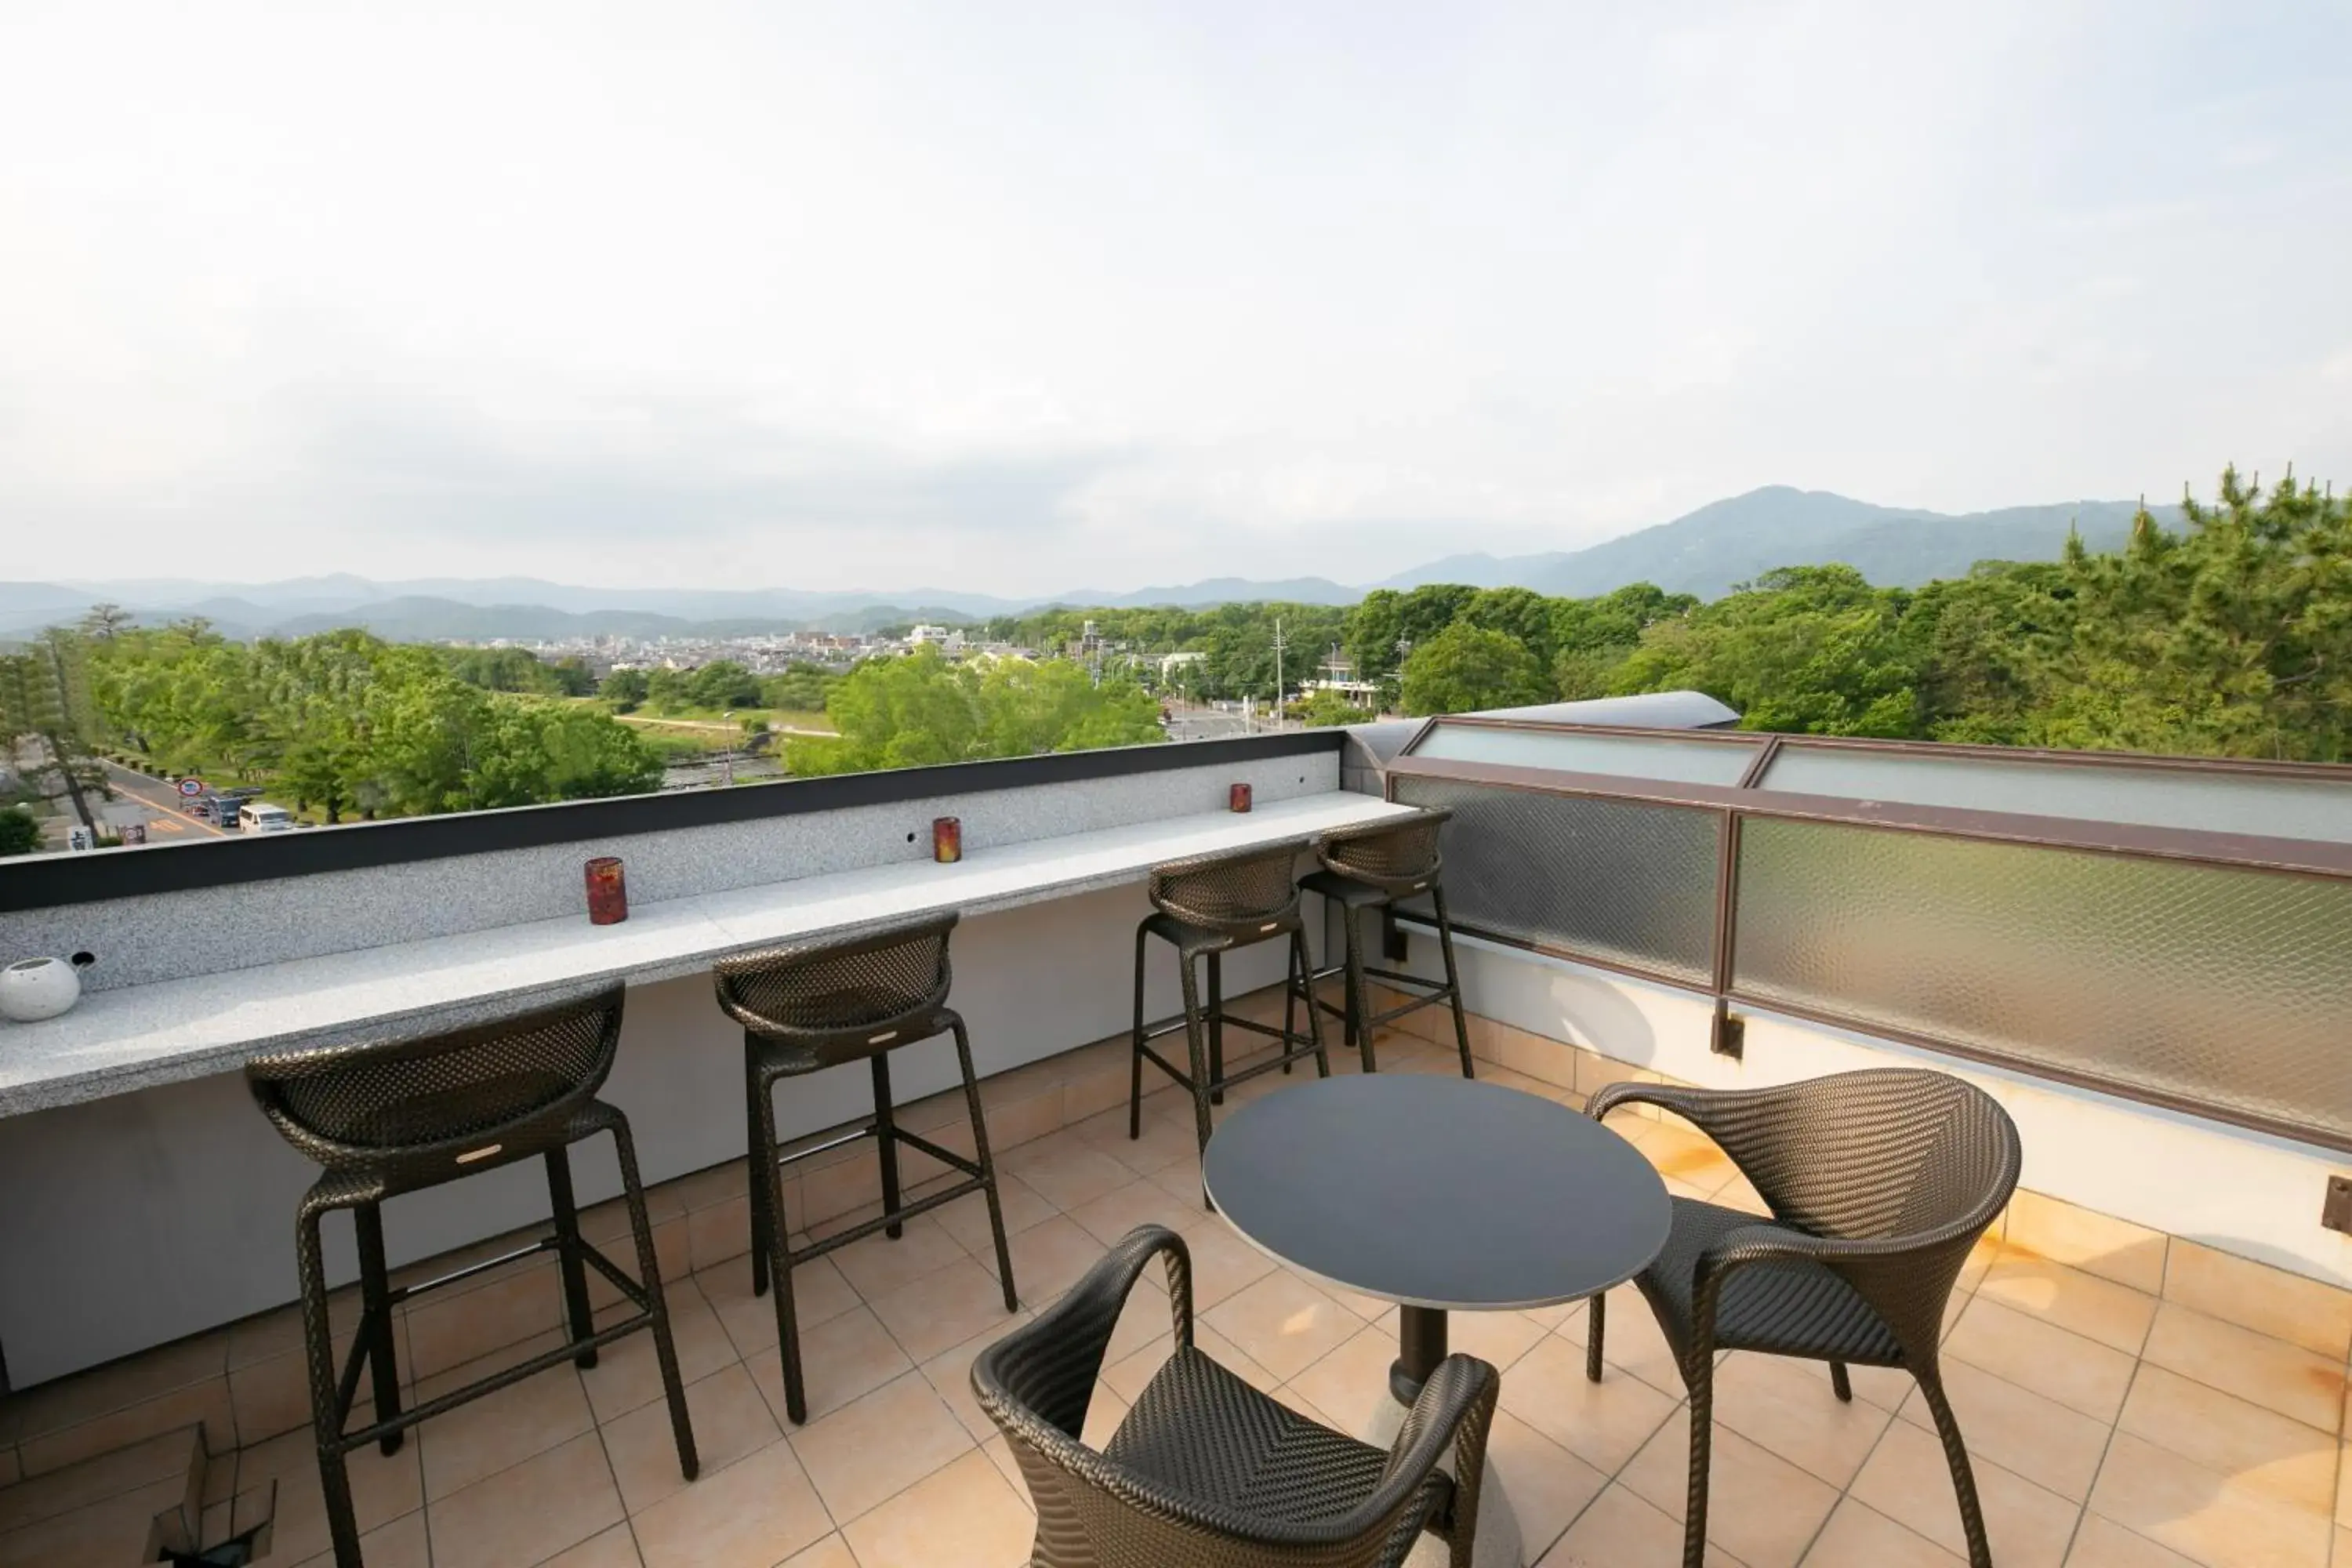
(1421, 1345)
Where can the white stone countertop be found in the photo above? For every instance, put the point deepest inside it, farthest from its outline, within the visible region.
(139, 1036)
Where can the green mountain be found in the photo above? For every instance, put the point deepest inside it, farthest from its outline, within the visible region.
(1734, 541)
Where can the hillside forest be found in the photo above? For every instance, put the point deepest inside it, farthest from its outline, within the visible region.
(2229, 634)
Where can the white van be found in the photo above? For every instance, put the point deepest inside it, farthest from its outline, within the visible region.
(260, 817)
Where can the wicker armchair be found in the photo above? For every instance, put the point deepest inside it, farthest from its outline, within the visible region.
(384, 1118)
(1370, 868)
(1207, 906)
(1879, 1184)
(1207, 1472)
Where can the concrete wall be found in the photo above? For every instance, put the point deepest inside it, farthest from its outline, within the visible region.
(135, 1220)
(2241, 1192)
(165, 936)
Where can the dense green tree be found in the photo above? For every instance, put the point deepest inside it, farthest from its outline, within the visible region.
(589, 757)
(723, 683)
(1520, 614)
(895, 714)
(1985, 645)
(571, 676)
(343, 722)
(1325, 710)
(1465, 668)
(2231, 638)
(624, 688)
(1593, 636)
(499, 669)
(923, 710)
(20, 831)
(1387, 624)
(802, 687)
(1808, 648)
(47, 699)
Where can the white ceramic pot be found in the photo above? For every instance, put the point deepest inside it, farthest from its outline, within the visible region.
(39, 988)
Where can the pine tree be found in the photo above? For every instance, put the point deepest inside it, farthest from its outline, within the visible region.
(44, 698)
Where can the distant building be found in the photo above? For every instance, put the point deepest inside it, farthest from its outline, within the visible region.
(947, 639)
(1339, 679)
(1172, 662)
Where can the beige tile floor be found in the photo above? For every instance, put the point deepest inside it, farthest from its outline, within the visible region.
(2110, 1430)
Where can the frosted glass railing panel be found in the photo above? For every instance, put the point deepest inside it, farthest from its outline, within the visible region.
(1620, 880)
(1634, 756)
(2218, 802)
(2224, 987)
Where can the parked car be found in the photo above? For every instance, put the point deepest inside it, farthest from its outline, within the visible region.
(260, 817)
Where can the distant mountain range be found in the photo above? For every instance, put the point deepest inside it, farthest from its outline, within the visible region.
(1734, 541)
(1703, 553)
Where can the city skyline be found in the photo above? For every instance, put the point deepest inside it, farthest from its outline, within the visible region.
(1079, 299)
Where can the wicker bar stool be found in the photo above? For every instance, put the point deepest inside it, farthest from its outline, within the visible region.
(810, 1006)
(397, 1116)
(1368, 868)
(1207, 906)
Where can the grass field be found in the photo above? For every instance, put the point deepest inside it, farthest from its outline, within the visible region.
(774, 718)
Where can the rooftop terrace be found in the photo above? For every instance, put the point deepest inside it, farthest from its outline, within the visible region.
(2147, 1354)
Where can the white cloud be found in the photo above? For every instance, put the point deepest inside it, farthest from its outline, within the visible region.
(1118, 294)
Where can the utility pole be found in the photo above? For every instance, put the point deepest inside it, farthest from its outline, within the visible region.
(1280, 643)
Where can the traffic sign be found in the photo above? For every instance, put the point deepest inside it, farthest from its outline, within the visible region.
(192, 786)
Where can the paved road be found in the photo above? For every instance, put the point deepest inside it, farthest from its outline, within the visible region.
(1208, 724)
(165, 820)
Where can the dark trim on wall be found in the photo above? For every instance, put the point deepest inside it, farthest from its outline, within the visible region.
(49, 880)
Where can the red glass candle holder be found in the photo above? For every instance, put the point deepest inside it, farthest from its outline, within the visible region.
(608, 891)
(947, 839)
(1238, 797)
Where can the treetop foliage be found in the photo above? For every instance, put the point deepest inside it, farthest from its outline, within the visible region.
(921, 710)
(347, 723)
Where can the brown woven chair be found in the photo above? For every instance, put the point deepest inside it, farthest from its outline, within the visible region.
(1207, 1472)
(818, 1005)
(1369, 869)
(1208, 906)
(397, 1116)
(1879, 1184)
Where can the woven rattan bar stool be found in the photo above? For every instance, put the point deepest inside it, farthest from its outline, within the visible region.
(397, 1116)
(807, 1007)
(1367, 869)
(1207, 906)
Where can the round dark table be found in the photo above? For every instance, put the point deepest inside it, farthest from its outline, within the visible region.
(1439, 1194)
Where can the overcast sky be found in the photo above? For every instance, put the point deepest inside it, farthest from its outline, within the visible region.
(1018, 297)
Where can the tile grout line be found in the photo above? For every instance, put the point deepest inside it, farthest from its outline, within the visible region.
(2337, 1499)
(2138, 1360)
(1895, 1417)
(596, 1423)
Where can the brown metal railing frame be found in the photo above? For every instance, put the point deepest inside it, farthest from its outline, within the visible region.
(1733, 805)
